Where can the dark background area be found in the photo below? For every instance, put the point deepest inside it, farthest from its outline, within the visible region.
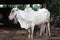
(21, 1)
(7, 24)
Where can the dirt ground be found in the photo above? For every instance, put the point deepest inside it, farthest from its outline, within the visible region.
(22, 35)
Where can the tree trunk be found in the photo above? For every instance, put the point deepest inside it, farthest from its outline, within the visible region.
(31, 5)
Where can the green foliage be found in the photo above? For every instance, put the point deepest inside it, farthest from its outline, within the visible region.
(54, 8)
(36, 7)
(22, 7)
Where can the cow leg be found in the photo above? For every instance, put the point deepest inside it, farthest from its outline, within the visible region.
(32, 30)
(41, 30)
(49, 28)
(29, 31)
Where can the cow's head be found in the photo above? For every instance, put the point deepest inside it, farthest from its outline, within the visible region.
(13, 13)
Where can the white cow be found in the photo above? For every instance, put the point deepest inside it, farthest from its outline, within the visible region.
(29, 18)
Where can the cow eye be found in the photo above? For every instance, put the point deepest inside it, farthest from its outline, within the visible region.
(12, 11)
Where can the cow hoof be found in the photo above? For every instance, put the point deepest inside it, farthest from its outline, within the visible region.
(49, 34)
(40, 34)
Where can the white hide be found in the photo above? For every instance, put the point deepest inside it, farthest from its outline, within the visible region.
(27, 17)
